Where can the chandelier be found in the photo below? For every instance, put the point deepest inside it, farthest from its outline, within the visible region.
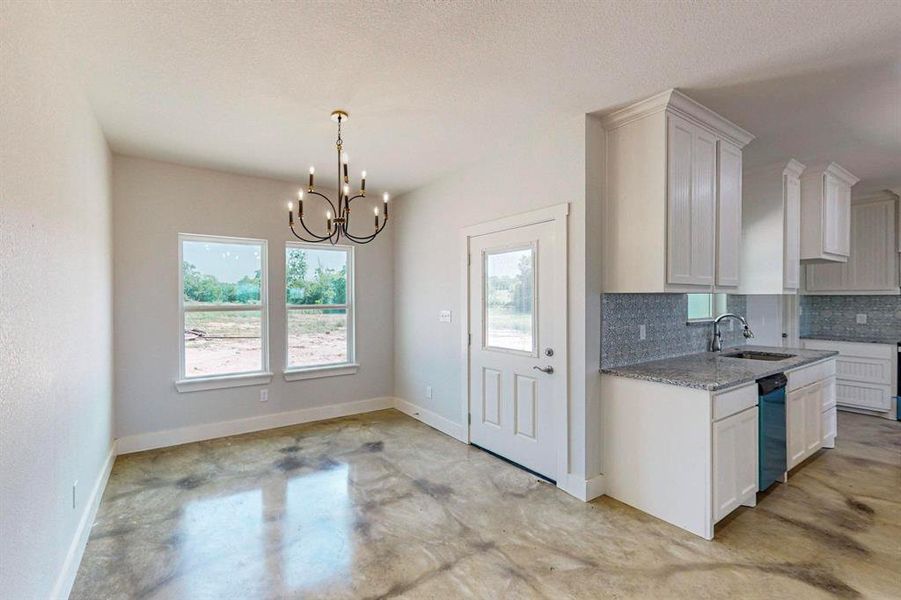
(337, 219)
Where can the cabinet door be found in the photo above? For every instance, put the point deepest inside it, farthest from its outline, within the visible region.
(691, 203)
(794, 430)
(813, 411)
(792, 234)
(872, 265)
(829, 427)
(844, 219)
(728, 211)
(734, 461)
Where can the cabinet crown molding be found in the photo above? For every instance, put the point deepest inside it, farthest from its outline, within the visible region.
(794, 168)
(874, 197)
(834, 169)
(675, 101)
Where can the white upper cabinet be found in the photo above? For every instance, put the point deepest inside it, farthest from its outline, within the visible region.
(771, 229)
(872, 266)
(672, 197)
(826, 214)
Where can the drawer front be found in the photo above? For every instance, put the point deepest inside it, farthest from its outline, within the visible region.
(867, 370)
(810, 374)
(863, 395)
(734, 401)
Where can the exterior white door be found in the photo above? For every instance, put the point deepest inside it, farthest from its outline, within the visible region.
(517, 380)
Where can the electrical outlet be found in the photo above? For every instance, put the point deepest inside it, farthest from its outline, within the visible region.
(428, 392)
(444, 316)
(264, 395)
(862, 319)
(642, 332)
(74, 493)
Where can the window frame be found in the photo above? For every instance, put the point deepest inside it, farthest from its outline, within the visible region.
(717, 302)
(348, 367)
(184, 383)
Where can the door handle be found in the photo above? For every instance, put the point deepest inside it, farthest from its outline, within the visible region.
(548, 369)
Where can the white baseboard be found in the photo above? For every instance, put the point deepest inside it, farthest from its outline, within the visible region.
(196, 433)
(432, 419)
(66, 577)
(583, 489)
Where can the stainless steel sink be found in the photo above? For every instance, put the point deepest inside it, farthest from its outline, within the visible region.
(756, 355)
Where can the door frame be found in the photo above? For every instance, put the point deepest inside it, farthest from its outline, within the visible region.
(558, 215)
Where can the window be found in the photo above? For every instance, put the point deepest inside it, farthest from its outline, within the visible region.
(224, 317)
(319, 310)
(509, 299)
(705, 307)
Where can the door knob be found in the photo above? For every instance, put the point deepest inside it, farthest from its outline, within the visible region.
(548, 369)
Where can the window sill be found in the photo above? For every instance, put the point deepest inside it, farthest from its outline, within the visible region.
(317, 372)
(222, 381)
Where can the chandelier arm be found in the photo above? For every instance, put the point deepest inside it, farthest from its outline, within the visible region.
(320, 238)
(365, 239)
(326, 198)
(303, 239)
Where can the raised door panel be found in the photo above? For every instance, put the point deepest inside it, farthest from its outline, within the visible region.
(703, 208)
(844, 219)
(813, 410)
(728, 246)
(792, 233)
(832, 215)
(679, 213)
(747, 453)
(794, 414)
(726, 439)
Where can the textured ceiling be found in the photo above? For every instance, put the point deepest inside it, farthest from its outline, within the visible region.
(431, 86)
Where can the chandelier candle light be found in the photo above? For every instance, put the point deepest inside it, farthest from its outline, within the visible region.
(337, 219)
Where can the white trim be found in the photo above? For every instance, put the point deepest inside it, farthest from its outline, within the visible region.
(207, 431)
(263, 307)
(558, 214)
(323, 371)
(432, 419)
(197, 384)
(66, 577)
(675, 101)
(585, 490)
(349, 308)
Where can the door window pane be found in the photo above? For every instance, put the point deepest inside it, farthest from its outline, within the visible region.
(223, 342)
(221, 273)
(315, 276)
(317, 337)
(510, 299)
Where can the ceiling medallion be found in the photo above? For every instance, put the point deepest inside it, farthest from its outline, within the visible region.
(337, 219)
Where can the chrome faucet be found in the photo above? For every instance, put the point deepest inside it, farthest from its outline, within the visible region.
(716, 343)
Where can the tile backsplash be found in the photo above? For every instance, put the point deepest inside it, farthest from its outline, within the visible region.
(667, 333)
(836, 316)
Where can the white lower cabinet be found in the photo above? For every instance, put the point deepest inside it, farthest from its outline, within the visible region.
(808, 426)
(734, 462)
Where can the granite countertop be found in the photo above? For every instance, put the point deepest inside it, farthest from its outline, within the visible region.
(712, 371)
(869, 338)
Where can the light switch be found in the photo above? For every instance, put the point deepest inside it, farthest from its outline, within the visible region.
(642, 332)
(862, 319)
(444, 316)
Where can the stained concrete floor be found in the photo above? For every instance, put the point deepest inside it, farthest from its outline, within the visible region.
(381, 506)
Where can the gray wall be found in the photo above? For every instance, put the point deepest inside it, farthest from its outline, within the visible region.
(543, 168)
(154, 201)
(668, 334)
(835, 316)
(55, 306)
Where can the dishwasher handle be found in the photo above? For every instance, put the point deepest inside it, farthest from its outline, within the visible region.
(771, 383)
